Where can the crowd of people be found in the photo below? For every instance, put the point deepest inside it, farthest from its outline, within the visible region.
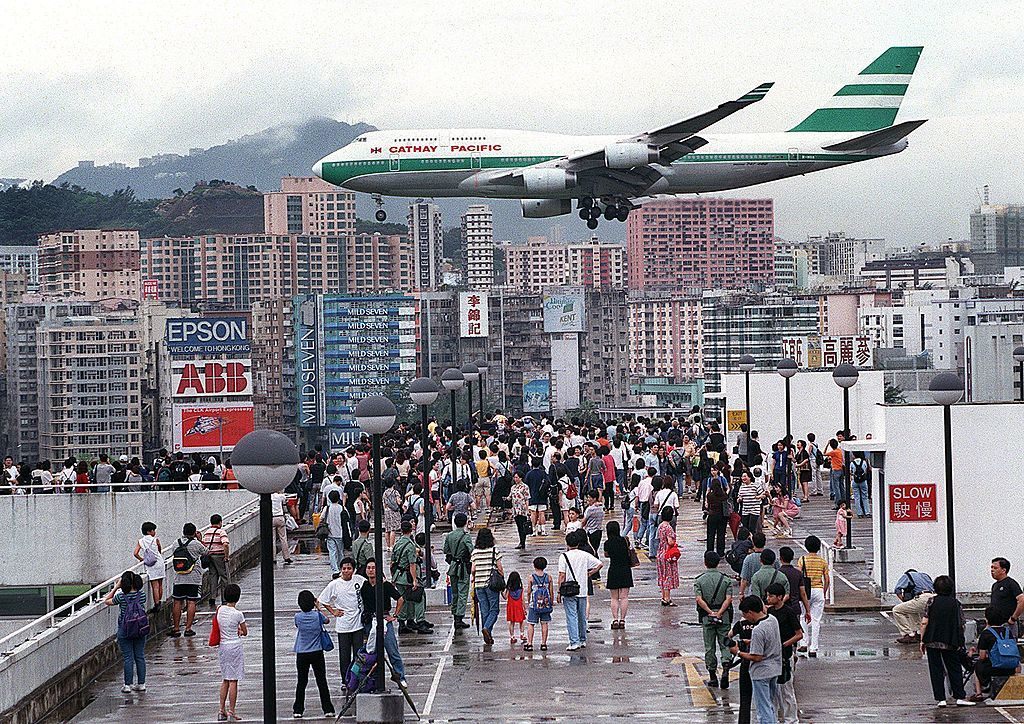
(614, 491)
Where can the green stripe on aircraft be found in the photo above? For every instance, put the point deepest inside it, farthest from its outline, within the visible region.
(895, 61)
(845, 120)
(873, 89)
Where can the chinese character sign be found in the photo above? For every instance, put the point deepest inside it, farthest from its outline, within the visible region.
(912, 503)
(473, 318)
(796, 349)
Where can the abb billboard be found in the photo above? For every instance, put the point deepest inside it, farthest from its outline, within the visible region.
(209, 428)
(201, 378)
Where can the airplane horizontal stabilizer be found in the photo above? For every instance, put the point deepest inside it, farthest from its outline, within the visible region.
(877, 139)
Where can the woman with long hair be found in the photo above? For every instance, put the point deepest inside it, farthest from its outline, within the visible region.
(620, 573)
(484, 559)
(129, 592)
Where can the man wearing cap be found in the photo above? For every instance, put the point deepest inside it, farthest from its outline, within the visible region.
(713, 590)
(457, 549)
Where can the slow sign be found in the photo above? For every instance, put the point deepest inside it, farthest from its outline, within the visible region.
(912, 503)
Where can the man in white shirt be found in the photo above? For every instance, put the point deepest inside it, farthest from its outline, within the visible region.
(576, 565)
(278, 507)
(341, 598)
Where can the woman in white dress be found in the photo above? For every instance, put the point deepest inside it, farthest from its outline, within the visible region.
(150, 552)
(231, 623)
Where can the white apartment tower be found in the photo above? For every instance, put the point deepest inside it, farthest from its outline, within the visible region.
(478, 236)
(427, 242)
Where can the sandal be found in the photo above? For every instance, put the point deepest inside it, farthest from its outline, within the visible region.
(527, 647)
(512, 641)
(233, 716)
(543, 647)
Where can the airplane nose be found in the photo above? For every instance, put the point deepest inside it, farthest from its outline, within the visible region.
(318, 168)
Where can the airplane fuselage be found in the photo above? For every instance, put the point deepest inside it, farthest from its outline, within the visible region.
(477, 163)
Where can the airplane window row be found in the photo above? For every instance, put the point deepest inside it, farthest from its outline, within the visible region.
(413, 140)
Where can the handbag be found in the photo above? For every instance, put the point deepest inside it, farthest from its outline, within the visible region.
(672, 553)
(805, 580)
(568, 589)
(323, 529)
(290, 523)
(215, 630)
(326, 640)
(634, 559)
(148, 556)
(413, 595)
(495, 581)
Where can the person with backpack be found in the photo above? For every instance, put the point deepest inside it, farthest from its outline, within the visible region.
(713, 592)
(186, 561)
(860, 477)
(915, 590)
(942, 637)
(404, 569)
(766, 575)
(540, 596)
(132, 628)
(151, 553)
(739, 550)
(998, 655)
(457, 549)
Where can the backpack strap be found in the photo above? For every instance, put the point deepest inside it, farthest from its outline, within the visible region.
(569, 563)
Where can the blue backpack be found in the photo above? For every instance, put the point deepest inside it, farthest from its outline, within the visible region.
(135, 623)
(541, 602)
(1004, 653)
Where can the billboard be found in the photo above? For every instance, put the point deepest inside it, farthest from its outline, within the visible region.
(536, 392)
(210, 428)
(814, 352)
(473, 315)
(309, 362)
(200, 378)
(563, 312)
(212, 335)
(150, 289)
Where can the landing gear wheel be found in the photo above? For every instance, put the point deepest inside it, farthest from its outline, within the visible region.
(595, 213)
(622, 213)
(381, 215)
(586, 202)
(610, 212)
(591, 223)
(584, 213)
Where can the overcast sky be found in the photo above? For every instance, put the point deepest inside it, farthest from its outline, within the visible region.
(115, 81)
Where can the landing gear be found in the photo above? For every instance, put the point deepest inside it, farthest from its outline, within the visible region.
(381, 214)
(611, 208)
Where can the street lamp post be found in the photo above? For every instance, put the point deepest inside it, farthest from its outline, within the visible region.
(947, 389)
(787, 368)
(747, 363)
(472, 374)
(1018, 357)
(481, 364)
(452, 380)
(265, 462)
(375, 416)
(845, 375)
(424, 392)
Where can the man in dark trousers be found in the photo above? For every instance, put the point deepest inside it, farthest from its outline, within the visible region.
(457, 549)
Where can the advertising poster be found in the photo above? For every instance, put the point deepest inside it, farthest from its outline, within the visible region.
(536, 392)
(814, 352)
(208, 428)
(309, 363)
(202, 378)
(473, 315)
(203, 336)
(563, 312)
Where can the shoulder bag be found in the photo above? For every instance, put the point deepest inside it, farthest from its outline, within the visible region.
(805, 580)
(567, 588)
(495, 581)
(634, 559)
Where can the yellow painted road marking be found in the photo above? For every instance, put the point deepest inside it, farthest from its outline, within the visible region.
(700, 694)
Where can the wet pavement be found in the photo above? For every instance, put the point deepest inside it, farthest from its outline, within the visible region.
(651, 670)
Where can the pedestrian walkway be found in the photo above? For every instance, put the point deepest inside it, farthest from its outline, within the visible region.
(652, 670)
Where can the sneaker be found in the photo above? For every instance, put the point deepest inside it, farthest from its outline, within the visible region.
(488, 639)
(573, 647)
(173, 634)
(941, 704)
(139, 688)
(330, 715)
(583, 644)
(287, 561)
(126, 689)
(296, 716)
(965, 702)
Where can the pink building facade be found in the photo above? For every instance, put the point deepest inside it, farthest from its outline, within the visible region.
(309, 205)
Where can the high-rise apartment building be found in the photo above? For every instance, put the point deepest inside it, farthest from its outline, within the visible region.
(604, 349)
(273, 366)
(665, 336)
(692, 244)
(539, 264)
(75, 370)
(90, 263)
(427, 240)
(379, 264)
(844, 257)
(12, 287)
(478, 238)
(21, 260)
(237, 271)
(997, 236)
(309, 206)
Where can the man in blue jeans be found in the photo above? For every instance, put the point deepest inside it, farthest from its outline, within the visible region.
(765, 656)
(860, 480)
(368, 594)
(574, 566)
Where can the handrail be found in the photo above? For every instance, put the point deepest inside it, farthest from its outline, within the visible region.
(145, 486)
(95, 594)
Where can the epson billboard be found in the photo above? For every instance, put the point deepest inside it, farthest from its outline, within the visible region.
(214, 335)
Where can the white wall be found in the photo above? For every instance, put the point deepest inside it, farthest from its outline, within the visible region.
(988, 488)
(816, 404)
(66, 539)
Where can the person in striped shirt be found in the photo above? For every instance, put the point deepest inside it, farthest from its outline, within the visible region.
(815, 568)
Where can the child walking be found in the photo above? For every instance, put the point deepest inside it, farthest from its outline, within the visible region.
(514, 611)
(842, 515)
(540, 593)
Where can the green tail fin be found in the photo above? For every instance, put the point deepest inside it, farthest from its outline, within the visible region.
(871, 100)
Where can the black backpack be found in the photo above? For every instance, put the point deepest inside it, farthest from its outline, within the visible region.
(737, 553)
(182, 560)
(862, 471)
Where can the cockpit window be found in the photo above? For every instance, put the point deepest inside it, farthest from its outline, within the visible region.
(361, 140)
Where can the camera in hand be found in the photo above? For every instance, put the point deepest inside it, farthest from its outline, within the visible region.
(730, 642)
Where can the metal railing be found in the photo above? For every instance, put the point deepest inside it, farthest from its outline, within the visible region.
(68, 488)
(77, 606)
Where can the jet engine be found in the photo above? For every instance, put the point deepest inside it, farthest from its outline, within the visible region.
(548, 180)
(628, 155)
(543, 208)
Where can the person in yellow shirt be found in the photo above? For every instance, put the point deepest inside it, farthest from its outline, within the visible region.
(815, 568)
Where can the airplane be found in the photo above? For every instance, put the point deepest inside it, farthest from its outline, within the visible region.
(611, 175)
